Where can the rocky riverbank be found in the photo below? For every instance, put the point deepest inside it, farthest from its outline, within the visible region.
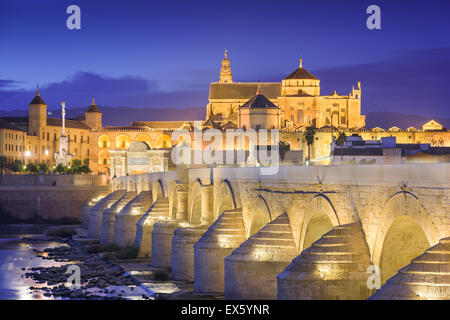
(99, 279)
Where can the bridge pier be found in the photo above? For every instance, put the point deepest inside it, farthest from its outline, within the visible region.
(334, 267)
(225, 235)
(425, 278)
(185, 238)
(183, 251)
(251, 270)
(96, 212)
(144, 228)
(126, 220)
(163, 231)
(85, 211)
(109, 217)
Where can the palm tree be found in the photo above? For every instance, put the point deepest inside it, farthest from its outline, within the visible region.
(340, 141)
(309, 137)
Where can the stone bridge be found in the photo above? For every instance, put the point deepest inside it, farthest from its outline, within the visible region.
(319, 232)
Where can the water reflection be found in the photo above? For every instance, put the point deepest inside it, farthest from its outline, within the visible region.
(16, 256)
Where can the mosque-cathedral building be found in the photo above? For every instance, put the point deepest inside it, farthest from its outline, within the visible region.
(291, 106)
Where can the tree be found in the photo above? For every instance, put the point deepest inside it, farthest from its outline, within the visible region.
(3, 165)
(340, 141)
(60, 169)
(16, 166)
(43, 167)
(33, 168)
(283, 147)
(309, 137)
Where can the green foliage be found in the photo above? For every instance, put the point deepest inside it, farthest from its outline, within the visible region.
(97, 248)
(309, 137)
(43, 167)
(64, 232)
(16, 166)
(32, 168)
(60, 169)
(129, 252)
(77, 168)
(283, 148)
(340, 141)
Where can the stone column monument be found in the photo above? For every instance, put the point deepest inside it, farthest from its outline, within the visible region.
(63, 157)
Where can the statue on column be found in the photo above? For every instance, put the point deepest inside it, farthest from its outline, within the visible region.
(63, 157)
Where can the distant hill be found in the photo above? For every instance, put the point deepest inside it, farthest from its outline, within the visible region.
(120, 116)
(387, 120)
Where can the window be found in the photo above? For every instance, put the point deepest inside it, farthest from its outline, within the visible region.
(43, 135)
(343, 120)
(81, 139)
(48, 136)
(105, 144)
(88, 139)
(75, 138)
(104, 161)
(292, 118)
(54, 137)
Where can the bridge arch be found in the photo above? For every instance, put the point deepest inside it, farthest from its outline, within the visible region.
(225, 198)
(320, 217)
(405, 231)
(260, 217)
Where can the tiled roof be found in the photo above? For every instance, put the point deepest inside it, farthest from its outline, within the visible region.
(93, 109)
(259, 102)
(243, 90)
(8, 125)
(69, 123)
(300, 73)
(159, 124)
(37, 100)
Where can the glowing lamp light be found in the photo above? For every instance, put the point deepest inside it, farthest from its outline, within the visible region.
(27, 153)
(46, 152)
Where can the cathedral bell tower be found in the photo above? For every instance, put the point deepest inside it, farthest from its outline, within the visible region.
(37, 115)
(225, 71)
(94, 116)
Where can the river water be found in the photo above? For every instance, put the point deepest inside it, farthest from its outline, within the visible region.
(15, 255)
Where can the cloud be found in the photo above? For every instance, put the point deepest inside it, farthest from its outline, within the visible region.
(412, 82)
(78, 89)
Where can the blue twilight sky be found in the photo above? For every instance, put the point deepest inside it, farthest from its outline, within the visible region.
(165, 53)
